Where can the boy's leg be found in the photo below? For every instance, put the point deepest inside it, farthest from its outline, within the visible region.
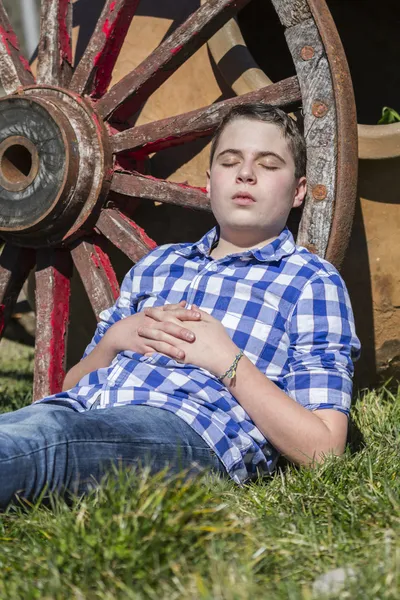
(54, 447)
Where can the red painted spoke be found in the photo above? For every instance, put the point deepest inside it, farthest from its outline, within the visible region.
(160, 190)
(124, 234)
(126, 96)
(55, 52)
(14, 68)
(97, 274)
(15, 265)
(53, 275)
(93, 74)
(180, 129)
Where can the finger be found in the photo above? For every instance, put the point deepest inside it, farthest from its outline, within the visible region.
(203, 315)
(165, 348)
(182, 314)
(180, 304)
(157, 335)
(177, 331)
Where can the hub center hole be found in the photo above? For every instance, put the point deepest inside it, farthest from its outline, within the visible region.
(16, 163)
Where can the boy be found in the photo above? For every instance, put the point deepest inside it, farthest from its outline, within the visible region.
(219, 354)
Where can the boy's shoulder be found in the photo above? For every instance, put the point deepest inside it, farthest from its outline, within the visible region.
(311, 267)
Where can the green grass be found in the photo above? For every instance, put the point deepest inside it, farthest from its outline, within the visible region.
(142, 537)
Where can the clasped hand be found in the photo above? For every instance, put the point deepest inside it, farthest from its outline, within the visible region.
(203, 341)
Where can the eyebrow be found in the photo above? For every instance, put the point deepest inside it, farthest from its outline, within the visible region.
(258, 155)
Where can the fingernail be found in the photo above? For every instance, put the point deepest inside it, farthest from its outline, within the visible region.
(196, 314)
(190, 336)
(180, 355)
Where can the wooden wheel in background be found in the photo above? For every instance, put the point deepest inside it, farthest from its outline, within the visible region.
(72, 160)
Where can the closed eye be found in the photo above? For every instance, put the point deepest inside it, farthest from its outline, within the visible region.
(270, 168)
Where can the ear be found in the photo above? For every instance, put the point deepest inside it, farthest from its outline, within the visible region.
(300, 192)
(208, 183)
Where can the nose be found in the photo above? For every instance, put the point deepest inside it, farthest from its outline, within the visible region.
(246, 173)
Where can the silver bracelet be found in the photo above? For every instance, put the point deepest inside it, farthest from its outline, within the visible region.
(231, 372)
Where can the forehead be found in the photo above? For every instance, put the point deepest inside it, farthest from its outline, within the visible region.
(251, 136)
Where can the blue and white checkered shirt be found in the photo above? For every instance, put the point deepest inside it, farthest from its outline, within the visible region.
(286, 308)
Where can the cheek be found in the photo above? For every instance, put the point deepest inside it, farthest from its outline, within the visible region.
(282, 183)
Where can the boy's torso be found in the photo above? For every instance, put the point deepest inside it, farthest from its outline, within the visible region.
(253, 295)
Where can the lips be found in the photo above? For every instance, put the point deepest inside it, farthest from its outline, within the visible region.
(243, 198)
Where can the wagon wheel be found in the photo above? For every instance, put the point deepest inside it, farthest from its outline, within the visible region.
(70, 161)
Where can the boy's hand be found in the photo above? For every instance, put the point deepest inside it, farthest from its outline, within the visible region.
(123, 335)
(212, 349)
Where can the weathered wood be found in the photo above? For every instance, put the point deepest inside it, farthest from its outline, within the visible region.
(126, 96)
(15, 266)
(320, 134)
(159, 190)
(346, 137)
(55, 52)
(125, 234)
(14, 68)
(93, 73)
(292, 12)
(177, 130)
(331, 137)
(97, 274)
(53, 275)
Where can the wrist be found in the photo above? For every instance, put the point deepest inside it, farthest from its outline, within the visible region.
(229, 375)
(225, 360)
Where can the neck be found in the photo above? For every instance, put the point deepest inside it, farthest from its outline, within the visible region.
(239, 243)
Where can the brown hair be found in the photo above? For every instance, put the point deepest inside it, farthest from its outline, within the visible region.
(267, 114)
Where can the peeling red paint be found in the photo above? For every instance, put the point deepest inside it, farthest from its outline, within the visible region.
(141, 232)
(182, 185)
(176, 49)
(59, 321)
(104, 262)
(64, 37)
(107, 28)
(9, 37)
(25, 63)
(114, 29)
(94, 259)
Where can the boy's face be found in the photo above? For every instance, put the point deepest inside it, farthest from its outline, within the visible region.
(253, 158)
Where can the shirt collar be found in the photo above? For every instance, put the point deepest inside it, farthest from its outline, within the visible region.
(282, 246)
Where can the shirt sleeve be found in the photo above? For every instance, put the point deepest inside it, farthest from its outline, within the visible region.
(323, 346)
(124, 306)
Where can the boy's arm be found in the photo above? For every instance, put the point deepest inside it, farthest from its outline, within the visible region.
(102, 355)
(309, 417)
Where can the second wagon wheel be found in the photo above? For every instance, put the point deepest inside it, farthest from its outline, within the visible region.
(70, 161)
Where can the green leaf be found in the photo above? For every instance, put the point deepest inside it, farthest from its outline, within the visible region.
(389, 115)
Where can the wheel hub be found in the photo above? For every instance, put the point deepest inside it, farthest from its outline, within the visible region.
(55, 167)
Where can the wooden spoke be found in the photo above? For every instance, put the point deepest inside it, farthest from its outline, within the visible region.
(15, 265)
(96, 273)
(53, 275)
(14, 68)
(126, 96)
(55, 53)
(93, 74)
(124, 234)
(160, 190)
(177, 130)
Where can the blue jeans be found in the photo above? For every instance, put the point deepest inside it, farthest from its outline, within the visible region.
(53, 447)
